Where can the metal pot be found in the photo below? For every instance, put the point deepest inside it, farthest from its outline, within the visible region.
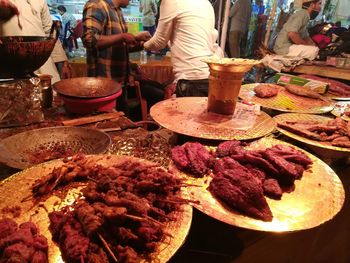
(22, 55)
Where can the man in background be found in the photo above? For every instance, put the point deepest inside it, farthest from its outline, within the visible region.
(188, 26)
(148, 8)
(294, 39)
(106, 39)
(240, 14)
(68, 24)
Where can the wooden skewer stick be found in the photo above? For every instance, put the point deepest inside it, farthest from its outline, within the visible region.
(105, 244)
(138, 218)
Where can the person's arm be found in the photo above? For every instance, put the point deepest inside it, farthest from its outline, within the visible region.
(298, 40)
(7, 10)
(165, 26)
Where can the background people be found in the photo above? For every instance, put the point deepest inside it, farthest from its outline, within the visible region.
(148, 8)
(294, 39)
(68, 25)
(240, 14)
(188, 28)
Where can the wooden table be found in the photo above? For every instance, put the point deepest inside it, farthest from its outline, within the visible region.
(157, 68)
(323, 71)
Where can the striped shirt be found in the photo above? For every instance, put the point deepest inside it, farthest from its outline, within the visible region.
(102, 17)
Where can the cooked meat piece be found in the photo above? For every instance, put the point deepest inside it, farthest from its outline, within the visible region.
(287, 172)
(304, 92)
(98, 256)
(21, 249)
(39, 257)
(40, 243)
(239, 189)
(258, 173)
(272, 189)
(224, 148)
(266, 90)
(7, 227)
(178, 155)
(199, 158)
(261, 163)
(31, 226)
(127, 254)
(192, 157)
(345, 144)
(86, 216)
(301, 130)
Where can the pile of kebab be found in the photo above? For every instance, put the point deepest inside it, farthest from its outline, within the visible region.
(21, 243)
(242, 178)
(122, 213)
(335, 132)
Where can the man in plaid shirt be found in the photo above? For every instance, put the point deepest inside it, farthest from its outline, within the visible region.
(107, 40)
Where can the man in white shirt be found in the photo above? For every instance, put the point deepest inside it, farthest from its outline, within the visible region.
(187, 26)
(36, 20)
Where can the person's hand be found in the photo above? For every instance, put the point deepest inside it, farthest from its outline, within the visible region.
(143, 36)
(66, 71)
(129, 39)
(7, 10)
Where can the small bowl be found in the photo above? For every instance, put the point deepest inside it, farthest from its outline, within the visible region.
(89, 105)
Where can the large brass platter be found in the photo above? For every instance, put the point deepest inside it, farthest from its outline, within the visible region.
(317, 198)
(285, 101)
(17, 187)
(307, 117)
(189, 116)
(340, 108)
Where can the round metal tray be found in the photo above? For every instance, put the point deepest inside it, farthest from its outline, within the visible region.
(189, 116)
(21, 183)
(286, 102)
(317, 198)
(16, 151)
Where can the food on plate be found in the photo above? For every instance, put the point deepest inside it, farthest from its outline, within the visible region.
(192, 157)
(122, 213)
(21, 243)
(335, 87)
(237, 187)
(266, 90)
(242, 177)
(304, 92)
(46, 153)
(336, 132)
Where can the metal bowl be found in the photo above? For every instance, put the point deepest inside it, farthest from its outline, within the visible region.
(22, 55)
(17, 150)
(87, 87)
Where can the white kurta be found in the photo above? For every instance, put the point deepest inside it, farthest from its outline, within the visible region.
(36, 20)
(188, 26)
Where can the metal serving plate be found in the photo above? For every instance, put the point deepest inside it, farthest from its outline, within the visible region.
(21, 182)
(188, 116)
(16, 150)
(307, 117)
(286, 102)
(317, 198)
